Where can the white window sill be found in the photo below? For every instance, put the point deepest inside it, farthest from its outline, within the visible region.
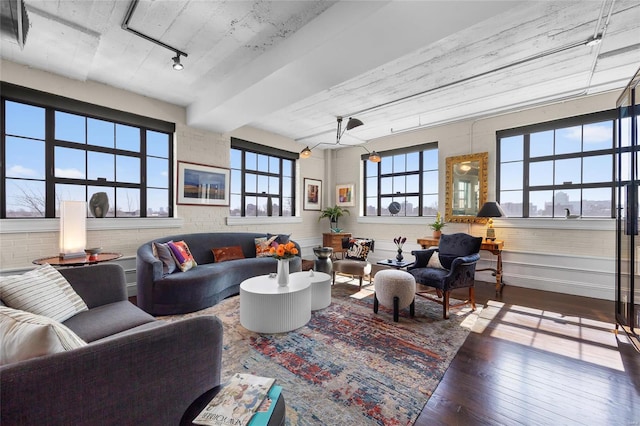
(528, 223)
(15, 226)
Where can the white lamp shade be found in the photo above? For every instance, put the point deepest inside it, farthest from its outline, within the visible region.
(73, 228)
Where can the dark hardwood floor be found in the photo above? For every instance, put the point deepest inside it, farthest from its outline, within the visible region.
(539, 358)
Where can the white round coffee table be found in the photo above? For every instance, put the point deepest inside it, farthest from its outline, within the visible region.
(266, 307)
(320, 288)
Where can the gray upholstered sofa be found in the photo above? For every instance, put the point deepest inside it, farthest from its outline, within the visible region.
(205, 284)
(135, 369)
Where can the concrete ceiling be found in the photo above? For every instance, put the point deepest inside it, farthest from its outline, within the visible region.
(292, 67)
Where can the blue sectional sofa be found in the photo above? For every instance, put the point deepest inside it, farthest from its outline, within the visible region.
(207, 283)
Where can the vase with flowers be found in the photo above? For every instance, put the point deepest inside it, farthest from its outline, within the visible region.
(437, 226)
(399, 241)
(283, 252)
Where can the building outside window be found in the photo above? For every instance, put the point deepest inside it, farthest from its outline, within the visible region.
(51, 155)
(262, 180)
(408, 177)
(547, 168)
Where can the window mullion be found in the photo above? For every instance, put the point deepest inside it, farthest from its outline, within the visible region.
(50, 188)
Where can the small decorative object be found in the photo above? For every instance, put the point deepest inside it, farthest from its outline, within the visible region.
(394, 207)
(99, 204)
(283, 252)
(93, 252)
(399, 243)
(269, 206)
(333, 213)
(568, 215)
(437, 226)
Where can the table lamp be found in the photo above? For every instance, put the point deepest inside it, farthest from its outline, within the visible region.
(73, 229)
(491, 209)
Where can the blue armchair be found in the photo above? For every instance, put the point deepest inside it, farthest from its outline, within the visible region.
(449, 266)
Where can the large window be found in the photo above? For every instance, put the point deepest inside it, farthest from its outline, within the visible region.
(53, 153)
(566, 164)
(404, 183)
(262, 180)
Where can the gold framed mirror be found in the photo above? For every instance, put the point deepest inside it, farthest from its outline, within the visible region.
(466, 189)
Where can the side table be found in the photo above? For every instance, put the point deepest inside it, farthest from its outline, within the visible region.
(394, 263)
(320, 288)
(277, 418)
(78, 261)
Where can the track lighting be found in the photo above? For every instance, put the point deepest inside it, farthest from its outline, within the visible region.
(176, 63)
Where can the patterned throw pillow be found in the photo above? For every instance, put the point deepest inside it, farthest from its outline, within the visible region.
(263, 245)
(25, 335)
(162, 252)
(280, 238)
(223, 254)
(358, 249)
(42, 291)
(182, 255)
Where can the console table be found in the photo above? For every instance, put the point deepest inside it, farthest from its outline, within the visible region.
(495, 247)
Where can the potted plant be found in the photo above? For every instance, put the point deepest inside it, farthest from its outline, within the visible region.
(437, 226)
(333, 213)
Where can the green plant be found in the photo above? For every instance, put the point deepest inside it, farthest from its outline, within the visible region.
(333, 213)
(438, 224)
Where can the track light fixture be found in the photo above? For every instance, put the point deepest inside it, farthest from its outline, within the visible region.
(351, 124)
(125, 26)
(176, 62)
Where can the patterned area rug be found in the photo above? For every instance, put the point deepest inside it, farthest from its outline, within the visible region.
(348, 365)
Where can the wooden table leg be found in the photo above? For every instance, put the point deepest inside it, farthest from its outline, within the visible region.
(499, 283)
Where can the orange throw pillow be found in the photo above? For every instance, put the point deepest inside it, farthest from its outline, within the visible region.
(223, 254)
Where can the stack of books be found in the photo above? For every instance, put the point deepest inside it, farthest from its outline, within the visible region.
(245, 399)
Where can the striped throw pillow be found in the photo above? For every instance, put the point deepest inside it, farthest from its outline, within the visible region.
(24, 335)
(41, 291)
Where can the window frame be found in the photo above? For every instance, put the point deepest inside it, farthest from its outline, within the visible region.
(527, 161)
(245, 147)
(419, 149)
(54, 103)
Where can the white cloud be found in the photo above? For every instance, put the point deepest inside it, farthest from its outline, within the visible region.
(21, 171)
(597, 134)
(164, 174)
(69, 173)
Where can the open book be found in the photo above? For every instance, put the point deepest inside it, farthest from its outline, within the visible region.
(237, 401)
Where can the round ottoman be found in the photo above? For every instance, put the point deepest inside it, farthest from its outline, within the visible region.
(394, 288)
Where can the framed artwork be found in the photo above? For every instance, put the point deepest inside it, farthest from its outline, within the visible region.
(312, 194)
(202, 185)
(345, 195)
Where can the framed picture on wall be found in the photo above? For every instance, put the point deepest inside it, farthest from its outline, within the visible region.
(202, 185)
(312, 194)
(345, 195)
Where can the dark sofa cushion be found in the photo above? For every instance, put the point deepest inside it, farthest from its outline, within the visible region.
(106, 320)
